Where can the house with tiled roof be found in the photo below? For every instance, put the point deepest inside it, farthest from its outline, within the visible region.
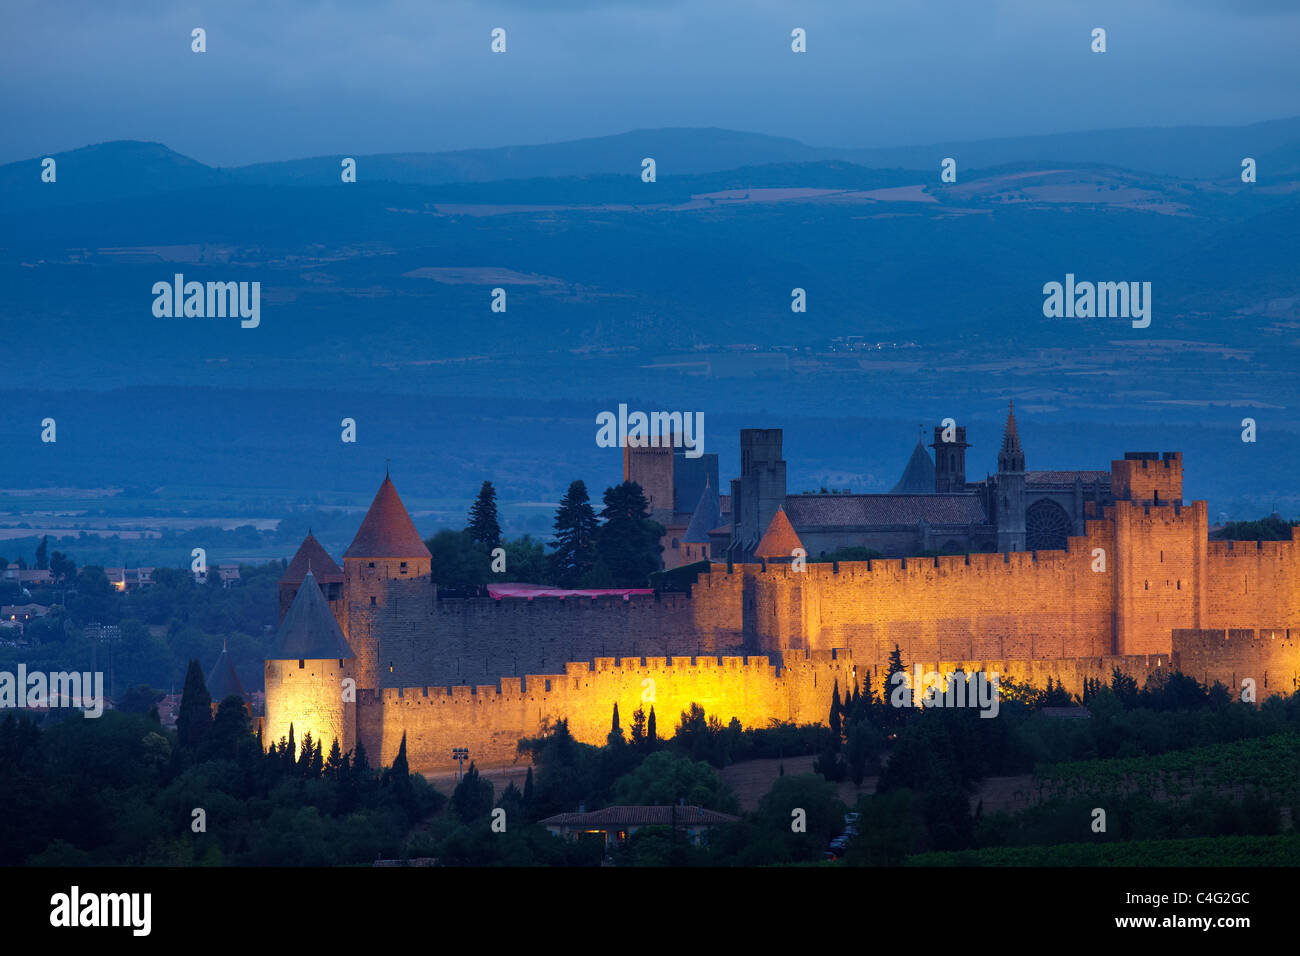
(616, 824)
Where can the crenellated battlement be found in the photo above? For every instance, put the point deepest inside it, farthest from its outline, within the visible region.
(1142, 589)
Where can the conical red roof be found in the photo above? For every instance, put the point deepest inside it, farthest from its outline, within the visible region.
(312, 557)
(779, 540)
(387, 531)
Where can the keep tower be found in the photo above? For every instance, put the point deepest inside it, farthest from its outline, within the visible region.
(387, 560)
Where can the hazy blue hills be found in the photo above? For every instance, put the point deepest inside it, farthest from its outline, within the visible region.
(677, 151)
(126, 168)
(1197, 152)
(924, 300)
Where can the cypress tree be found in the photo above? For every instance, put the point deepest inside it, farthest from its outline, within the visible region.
(638, 728)
(650, 735)
(305, 758)
(896, 666)
(836, 712)
(317, 766)
(399, 777)
(528, 788)
(195, 716)
(472, 798)
(615, 736)
(229, 730)
(575, 537)
(483, 525)
(334, 763)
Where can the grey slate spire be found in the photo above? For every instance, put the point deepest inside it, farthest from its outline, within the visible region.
(309, 631)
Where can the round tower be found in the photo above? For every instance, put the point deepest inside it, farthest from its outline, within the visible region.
(387, 563)
(307, 670)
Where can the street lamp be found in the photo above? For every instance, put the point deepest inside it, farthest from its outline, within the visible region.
(460, 755)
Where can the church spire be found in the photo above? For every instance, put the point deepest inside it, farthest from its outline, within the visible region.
(1012, 457)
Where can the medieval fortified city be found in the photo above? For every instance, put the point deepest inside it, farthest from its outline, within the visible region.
(714, 451)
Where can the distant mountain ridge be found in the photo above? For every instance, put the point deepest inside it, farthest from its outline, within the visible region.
(125, 168)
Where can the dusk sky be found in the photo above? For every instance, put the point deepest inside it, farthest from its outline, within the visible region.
(285, 80)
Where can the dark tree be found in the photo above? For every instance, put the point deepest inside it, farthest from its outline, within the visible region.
(836, 714)
(194, 718)
(317, 766)
(307, 757)
(141, 699)
(895, 714)
(229, 729)
(638, 728)
(472, 799)
(575, 537)
(628, 541)
(334, 763)
(615, 731)
(484, 528)
(43, 554)
(1124, 687)
(398, 777)
(62, 568)
(650, 736)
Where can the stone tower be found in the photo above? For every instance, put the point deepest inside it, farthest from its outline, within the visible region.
(949, 460)
(759, 491)
(329, 576)
(305, 672)
(1010, 496)
(387, 561)
(651, 467)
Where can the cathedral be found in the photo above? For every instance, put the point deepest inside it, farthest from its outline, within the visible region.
(931, 509)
